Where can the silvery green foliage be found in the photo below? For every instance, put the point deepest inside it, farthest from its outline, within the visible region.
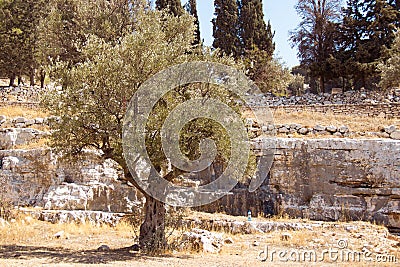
(94, 93)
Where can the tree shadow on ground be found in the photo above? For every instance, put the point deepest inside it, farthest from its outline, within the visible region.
(63, 255)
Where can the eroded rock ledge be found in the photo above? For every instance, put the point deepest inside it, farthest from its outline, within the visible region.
(325, 179)
(319, 179)
(40, 178)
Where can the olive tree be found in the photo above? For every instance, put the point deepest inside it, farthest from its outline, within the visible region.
(93, 95)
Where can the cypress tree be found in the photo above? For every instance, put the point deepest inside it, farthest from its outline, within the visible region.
(174, 7)
(191, 8)
(255, 33)
(257, 46)
(225, 27)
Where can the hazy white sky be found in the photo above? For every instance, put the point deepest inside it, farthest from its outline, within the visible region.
(283, 19)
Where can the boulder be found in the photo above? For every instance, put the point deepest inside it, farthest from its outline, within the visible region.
(331, 129)
(343, 129)
(19, 120)
(283, 129)
(59, 234)
(228, 240)
(29, 122)
(338, 134)
(303, 131)
(203, 240)
(390, 129)
(395, 135)
(39, 120)
(319, 128)
(103, 248)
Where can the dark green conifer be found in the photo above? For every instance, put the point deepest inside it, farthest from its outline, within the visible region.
(225, 27)
(173, 6)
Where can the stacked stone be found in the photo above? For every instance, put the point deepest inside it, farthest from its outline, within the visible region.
(21, 122)
(317, 130)
(349, 97)
(21, 93)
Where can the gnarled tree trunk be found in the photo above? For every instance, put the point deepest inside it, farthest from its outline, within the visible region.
(152, 231)
(152, 235)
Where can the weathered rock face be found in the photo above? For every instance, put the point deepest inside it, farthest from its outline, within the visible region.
(326, 179)
(322, 179)
(40, 178)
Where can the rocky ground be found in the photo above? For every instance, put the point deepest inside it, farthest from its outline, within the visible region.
(31, 242)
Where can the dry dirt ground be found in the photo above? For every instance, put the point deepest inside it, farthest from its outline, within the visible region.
(29, 242)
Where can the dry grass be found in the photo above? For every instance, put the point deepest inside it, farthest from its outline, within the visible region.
(355, 123)
(28, 231)
(4, 82)
(13, 111)
(31, 242)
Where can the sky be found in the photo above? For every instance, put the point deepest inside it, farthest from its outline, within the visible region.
(283, 19)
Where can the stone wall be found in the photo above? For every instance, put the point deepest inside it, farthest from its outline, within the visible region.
(321, 179)
(389, 111)
(326, 179)
(40, 178)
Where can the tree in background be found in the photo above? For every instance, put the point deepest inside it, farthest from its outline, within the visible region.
(70, 21)
(257, 46)
(35, 32)
(366, 34)
(18, 36)
(61, 33)
(315, 36)
(240, 30)
(296, 85)
(274, 77)
(226, 27)
(173, 7)
(390, 70)
(349, 38)
(254, 32)
(191, 8)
